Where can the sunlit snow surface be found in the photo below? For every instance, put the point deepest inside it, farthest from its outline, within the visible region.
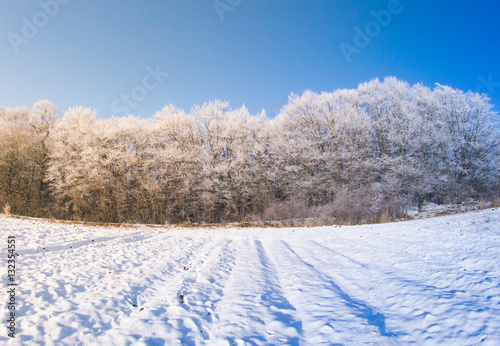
(430, 281)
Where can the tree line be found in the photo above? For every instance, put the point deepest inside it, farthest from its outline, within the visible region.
(347, 156)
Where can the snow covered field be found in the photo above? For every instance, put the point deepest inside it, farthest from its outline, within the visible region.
(430, 281)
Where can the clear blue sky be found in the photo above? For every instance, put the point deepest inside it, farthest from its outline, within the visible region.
(90, 53)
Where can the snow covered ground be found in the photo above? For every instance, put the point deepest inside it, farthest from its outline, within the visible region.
(430, 281)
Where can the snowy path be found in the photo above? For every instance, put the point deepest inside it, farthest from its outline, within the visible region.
(427, 282)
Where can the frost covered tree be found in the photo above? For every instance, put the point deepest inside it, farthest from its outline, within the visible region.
(354, 155)
(232, 158)
(393, 135)
(98, 168)
(303, 145)
(74, 172)
(43, 115)
(15, 159)
(470, 127)
(387, 145)
(23, 157)
(175, 164)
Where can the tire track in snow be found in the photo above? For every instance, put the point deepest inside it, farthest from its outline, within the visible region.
(186, 320)
(328, 313)
(253, 302)
(154, 278)
(426, 306)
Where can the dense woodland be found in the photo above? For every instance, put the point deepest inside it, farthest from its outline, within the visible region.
(347, 156)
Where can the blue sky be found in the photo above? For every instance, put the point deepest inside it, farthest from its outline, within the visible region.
(186, 52)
